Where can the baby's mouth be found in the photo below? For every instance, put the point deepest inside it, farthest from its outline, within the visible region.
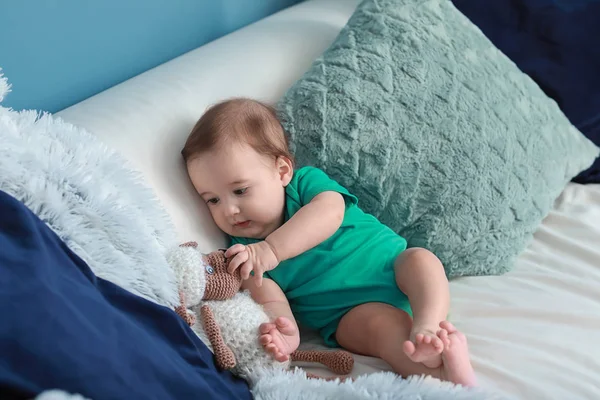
(243, 224)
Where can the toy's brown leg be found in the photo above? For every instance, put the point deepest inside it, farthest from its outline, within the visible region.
(223, 354)
(182, 311)
(339, 361)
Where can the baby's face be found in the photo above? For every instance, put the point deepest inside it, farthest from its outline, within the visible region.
(244, 191)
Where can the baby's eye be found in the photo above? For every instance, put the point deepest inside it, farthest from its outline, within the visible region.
(214, 200)
(240, 192)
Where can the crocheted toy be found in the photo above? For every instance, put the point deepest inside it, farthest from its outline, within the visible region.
(231, 318)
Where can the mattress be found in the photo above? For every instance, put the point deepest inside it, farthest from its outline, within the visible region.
(532, 332)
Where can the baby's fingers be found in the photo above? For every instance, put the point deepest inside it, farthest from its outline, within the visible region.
(246, 269)
(258, 277)
(238, 260)
(235, 249)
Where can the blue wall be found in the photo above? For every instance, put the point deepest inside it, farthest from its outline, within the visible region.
(56, 53)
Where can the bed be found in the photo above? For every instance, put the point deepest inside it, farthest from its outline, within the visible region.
(532, 332)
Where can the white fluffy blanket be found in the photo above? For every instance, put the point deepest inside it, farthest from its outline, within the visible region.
(101, 208)
(379, 386)
(90, 197)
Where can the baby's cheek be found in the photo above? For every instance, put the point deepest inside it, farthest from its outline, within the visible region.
(219, 219)
(268, 209)
(274, 210)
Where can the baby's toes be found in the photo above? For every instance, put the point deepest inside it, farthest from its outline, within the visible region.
(447, 325)
(443, 335)
(437, 343)
(419, 338)
(427, 339)
(409, 348)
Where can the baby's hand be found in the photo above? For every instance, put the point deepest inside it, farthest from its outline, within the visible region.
(257, 257)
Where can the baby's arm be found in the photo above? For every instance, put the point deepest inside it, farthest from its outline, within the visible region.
(280, 337)
(310, 226)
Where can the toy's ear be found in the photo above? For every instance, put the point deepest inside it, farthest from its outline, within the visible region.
(189, 244)
(188, 266)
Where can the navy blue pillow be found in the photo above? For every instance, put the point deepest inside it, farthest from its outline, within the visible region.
(64, 328)
(555, 42)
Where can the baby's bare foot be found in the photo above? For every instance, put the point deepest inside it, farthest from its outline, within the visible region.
(456, 366)
(424, 347)
(280, 338)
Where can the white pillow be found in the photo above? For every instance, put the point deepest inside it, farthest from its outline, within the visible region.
(148, 118)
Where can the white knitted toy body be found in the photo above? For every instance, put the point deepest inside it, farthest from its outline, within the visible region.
(190, 270)
(239, 319)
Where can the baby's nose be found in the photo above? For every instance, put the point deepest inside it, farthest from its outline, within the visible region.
(233, 209)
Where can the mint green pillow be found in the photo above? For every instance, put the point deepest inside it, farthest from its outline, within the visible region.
(436, 131)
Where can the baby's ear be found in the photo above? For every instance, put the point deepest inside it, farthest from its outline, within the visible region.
(285, 168)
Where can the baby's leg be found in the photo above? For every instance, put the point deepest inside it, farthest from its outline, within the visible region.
(280, 337)
(378, 330)
(420, 275)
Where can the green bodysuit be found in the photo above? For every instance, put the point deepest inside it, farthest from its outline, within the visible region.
(352, 267)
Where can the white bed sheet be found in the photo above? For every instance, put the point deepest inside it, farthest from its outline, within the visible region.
(533, 332)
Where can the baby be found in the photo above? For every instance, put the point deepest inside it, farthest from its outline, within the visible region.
(314, 255)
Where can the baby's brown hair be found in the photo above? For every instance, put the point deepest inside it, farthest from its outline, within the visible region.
(239, 119)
